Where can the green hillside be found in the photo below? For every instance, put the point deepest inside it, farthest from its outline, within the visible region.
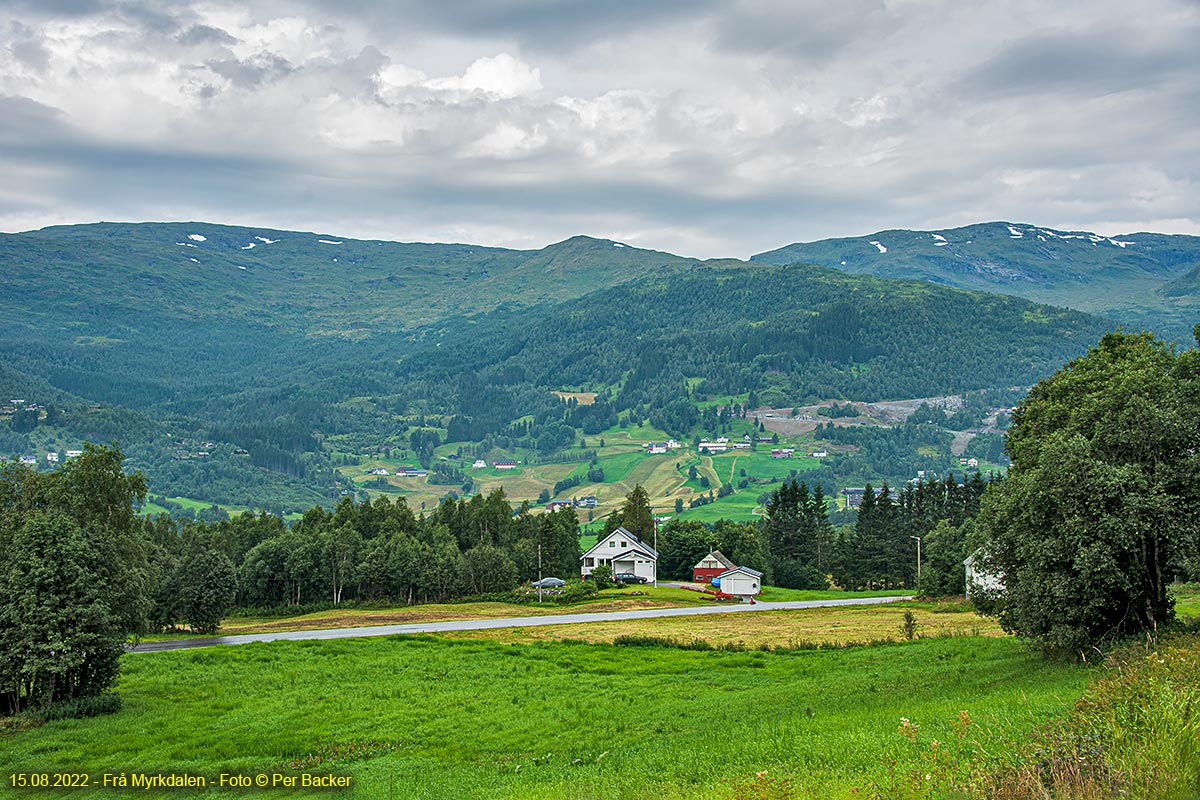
(1125, 278)
(97, 278)
(260, 386)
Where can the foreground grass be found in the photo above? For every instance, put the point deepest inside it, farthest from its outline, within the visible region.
(420, 717)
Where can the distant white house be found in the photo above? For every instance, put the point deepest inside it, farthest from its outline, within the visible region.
(978, 581)
(625, 552)
(28, 460)
(713, 447)
(740, 581)
(656, 448)
(51, 458)
(377, 471)
(479, 464)
(74, 453)
(506, 463)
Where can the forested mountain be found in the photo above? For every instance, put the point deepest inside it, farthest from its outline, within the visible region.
(791, 334)
(1137, 279)
(238, 375)
(97, 280)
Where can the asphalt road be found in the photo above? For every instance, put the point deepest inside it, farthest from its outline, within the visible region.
(503, 622)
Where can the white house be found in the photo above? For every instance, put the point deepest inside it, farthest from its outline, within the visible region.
(625, 552)
(741, 581)
(479, 464)
(978, 581)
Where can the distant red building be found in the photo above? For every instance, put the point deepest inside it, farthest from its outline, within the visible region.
(710, 567)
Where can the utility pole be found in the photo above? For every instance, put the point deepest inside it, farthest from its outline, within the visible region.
(540, 572)
(918, 538)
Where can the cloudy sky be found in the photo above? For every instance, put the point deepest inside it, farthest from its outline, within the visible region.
(703, 128)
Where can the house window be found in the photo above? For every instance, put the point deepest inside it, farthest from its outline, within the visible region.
(612, 543)
(588, 562)
(624, 544)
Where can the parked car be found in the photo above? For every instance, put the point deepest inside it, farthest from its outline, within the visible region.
(549, 583)
(628, 577)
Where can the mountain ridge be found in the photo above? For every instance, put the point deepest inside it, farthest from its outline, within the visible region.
(1126, 278)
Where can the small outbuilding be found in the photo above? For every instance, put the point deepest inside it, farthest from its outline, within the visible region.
(741, 582)
(980, 582)
(711, 566)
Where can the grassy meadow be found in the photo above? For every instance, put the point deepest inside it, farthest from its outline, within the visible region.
(423, 717)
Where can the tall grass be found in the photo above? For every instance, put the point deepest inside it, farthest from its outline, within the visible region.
(1134, 734)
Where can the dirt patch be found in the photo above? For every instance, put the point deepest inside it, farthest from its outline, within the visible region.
(583, 398)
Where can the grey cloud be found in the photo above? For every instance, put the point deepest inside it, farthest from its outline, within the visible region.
(806, 30)
(1090, 62)
(204, 34)
(249, 73)
(27, 48)
(537, 24)
(23, 120)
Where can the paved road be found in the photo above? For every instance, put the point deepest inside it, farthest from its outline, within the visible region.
(503, 622)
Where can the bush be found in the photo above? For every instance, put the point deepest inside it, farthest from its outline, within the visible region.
(576, 591)
(89, 706)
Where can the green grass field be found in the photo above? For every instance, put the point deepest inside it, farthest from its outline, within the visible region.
(420, 717)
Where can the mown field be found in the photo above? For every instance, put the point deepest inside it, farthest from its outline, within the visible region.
(788, 629)
(422, 717)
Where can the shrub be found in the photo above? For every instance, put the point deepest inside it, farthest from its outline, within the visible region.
(79, 707)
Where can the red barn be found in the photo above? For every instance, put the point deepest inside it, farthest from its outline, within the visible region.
(710, 567)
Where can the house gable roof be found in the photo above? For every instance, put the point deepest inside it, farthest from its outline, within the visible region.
(746, 570)
(720, 559)
(601, 546)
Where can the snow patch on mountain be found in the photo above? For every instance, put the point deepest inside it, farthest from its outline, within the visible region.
(195, 237)
(882, 249)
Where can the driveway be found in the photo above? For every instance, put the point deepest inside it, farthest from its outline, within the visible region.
(503, 622)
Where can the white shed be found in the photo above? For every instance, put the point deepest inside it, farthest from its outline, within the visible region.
(741, 581)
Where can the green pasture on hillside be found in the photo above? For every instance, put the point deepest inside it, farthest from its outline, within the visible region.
(421, 717)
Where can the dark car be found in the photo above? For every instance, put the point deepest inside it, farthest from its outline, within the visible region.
(628, 577)
(549, 583)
